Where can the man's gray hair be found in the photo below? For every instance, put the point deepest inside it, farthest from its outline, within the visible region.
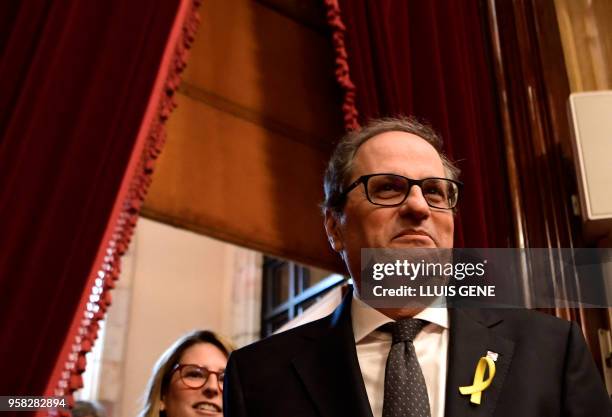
(340, 165)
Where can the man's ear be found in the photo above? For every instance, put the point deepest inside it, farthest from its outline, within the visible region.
(333, 230)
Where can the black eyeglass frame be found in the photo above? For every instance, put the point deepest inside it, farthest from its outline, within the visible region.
(220, 375)
(365, 178)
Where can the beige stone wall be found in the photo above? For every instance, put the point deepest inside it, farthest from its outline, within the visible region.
(173, 281)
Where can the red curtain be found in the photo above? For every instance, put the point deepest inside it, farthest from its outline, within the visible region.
(429, 59)
(85, 87)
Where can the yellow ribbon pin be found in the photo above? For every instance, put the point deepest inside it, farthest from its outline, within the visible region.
(479, 384)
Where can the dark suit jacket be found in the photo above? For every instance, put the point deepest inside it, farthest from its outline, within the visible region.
(544, 369)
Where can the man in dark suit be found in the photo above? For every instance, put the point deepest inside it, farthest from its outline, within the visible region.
(389, 186)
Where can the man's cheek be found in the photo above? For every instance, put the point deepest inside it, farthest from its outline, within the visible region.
(368, 236)
(448, 233)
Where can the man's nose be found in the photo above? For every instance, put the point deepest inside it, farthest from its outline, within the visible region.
(415, 204)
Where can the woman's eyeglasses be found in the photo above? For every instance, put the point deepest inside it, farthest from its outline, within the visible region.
(194, 376)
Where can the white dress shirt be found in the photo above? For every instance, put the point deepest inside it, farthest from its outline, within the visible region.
(431, 346)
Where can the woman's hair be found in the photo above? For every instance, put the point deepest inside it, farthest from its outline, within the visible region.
(161, 375)
(88, 409)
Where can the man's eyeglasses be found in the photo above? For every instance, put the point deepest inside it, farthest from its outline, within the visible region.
(389, 190)
(194, 376)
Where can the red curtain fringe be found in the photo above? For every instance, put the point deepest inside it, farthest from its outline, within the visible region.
(334, 20)
(108, 273)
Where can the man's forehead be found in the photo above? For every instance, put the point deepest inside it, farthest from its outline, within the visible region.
(396, 140)
(398, 150)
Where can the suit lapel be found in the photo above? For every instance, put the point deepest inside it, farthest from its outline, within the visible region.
(330, 370)
(471, 336)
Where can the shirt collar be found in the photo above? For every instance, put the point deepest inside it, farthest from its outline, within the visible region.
(366, 319)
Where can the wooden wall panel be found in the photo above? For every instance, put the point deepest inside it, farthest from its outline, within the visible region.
(533, 89)
(257, 115)
(586, 33)
(260, 60)
(232, 179)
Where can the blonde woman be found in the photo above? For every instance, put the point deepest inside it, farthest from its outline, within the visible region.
(187, 380)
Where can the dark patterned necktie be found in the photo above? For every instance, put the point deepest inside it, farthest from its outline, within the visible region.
(405, 390)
